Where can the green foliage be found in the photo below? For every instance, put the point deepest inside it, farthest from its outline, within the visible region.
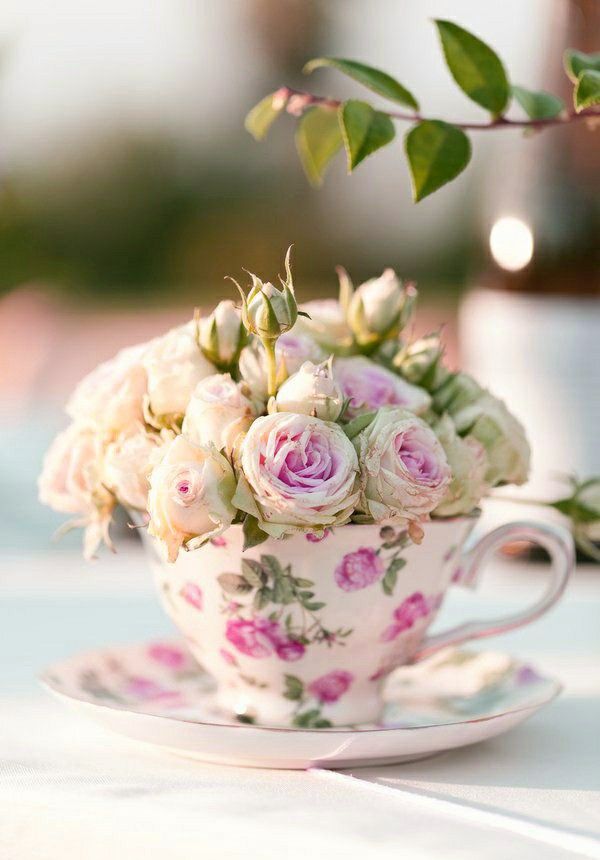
(262, 116)
(576, 62)
(475, 67)
(294, 688)
(437, 152)
(318, 138)
(587, 91)
(253, 534)
(364, 130)
(377, 81)
(538, 105)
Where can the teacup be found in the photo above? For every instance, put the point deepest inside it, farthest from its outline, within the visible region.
(302, 632)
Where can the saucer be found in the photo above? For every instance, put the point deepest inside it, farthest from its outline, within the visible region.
(155, 692)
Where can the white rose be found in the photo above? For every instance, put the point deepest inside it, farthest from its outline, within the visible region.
(175, 365)
(128, 462)
(469, 465)
(70, 482)
(298, 473)
(326, 324)
(292, 349)
(217, 412)
(111, 396)
(312, 390)
(369, 386)
(222, 335)
(405, 472)
(501, 434)
(190, 496)
(380, 308)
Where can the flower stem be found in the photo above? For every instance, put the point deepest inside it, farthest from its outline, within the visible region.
(299, 100)
(269, 345)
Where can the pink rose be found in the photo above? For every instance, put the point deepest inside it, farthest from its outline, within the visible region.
(317, 538)
(329, 688)
(167, 655)
(370, 386)
(414, 607)
(192, 594)
(359, 569)
(228, 657)
(148, 690)
(253, 637)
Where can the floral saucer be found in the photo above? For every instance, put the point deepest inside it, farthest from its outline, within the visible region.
(155, 692)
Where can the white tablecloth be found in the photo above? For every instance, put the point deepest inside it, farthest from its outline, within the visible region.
(69, 789)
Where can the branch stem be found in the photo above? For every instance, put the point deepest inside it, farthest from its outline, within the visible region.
(297, 101)
(269, 345)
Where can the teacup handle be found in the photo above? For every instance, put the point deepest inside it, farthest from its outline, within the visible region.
(559, 544)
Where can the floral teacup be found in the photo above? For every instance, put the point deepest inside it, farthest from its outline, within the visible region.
(302, 632)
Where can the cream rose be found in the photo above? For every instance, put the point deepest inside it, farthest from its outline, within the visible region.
(217, 412)
(298, 473)
(489, 421)
(369, 386)
(326, 324)
(469, 465)
(190, 496)
(71, 483)
(175, 365)
(291, 351)
(111, 396)
(127, 464)
(380, 308)
(312, 390)
(404, 470)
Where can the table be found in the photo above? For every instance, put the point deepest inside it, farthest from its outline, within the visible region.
(69, 789)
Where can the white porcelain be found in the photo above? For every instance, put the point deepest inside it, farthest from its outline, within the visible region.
(156, 692)
(315, 627)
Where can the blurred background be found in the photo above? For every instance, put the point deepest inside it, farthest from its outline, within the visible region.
(129, 188)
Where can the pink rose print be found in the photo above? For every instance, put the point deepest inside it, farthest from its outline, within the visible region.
(228, 657)
(329, 688)
(145, 689)
(259, 637)
(317, 538)
(414, 607)
(167, 655)
(527, 675)
(359, 569)
(218, 541)
(192, 594)
(289, 649)
(252, 637)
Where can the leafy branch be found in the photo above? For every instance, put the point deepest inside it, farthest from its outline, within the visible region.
(437, 150)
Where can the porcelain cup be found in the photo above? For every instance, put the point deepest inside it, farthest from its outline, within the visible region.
(302, 632)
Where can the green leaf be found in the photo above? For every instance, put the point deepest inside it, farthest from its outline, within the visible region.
(318, 138)
(437, 152)
(294, 688)
(587, 91)
(475, 67)
(380, 82)
(253, 534)
(358, 424)
(313, 607)
(389, 581)
(233, 583)
(364, 130)
(576, 62)
(303, 583)
(271, 564)
(251, 571)
(537, 105)
(262, 116)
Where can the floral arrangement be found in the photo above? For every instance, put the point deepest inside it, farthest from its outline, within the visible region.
(285, 419)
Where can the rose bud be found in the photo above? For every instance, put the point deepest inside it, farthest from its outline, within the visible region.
(311, 391)
(456, 392)
(291, 351)
(222, 335)
(267, 311)
(380, 308)
(190, 496)
(420, 362)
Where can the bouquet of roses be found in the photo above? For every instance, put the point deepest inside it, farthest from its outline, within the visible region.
(285, 419)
